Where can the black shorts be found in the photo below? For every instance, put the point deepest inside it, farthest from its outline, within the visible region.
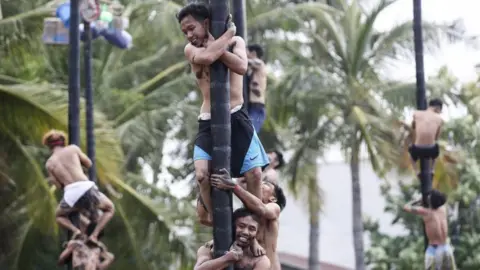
(424, 151)
(247, 150)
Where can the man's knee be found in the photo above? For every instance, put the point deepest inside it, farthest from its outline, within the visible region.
(254, 175)
(202, 176)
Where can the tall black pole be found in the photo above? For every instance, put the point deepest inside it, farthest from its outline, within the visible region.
(240, 20)
(74, 88)
(87, 55)
(221, 132)
(425, 172)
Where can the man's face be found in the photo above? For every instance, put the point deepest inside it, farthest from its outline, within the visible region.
(272, 157)
(251, 54)
(194, 30)
(245, 231)
(268, 191)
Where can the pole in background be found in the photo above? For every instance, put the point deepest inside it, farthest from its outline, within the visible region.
(221, 133)
(74, 88)
(425, 172)
(89, 110)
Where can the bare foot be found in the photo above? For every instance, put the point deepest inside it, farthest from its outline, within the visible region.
(76, 235)
(92, 239)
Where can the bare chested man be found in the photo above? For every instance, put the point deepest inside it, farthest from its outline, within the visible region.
(257, 85)
(268, 209)
(248, 156)
(245, 225)
(86, 255)
(427, 126)
(439, 254)
(79, 194)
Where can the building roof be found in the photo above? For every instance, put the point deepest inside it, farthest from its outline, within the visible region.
(302, 262)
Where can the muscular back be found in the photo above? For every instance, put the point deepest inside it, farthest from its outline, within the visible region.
(436, 226)
(427, 126)
(258, 82)
(65, 165)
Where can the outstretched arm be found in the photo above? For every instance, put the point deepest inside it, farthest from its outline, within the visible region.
(205, 262)
(107, 260)
(236, 60)
(67, 252)
(412, 207)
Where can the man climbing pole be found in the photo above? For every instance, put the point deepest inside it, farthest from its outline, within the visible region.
(426, 127)
(80, 195)
(257, 86)
(439, 253)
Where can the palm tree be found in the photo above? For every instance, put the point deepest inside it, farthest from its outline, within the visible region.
(28, 212)
(346, 53)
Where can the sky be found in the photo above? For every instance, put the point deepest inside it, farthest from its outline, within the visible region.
(459, 58)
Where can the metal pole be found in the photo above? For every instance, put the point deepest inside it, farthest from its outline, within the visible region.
(425, 172)
(87, 55)
(74, 88)
(221, 133)
(240, 20)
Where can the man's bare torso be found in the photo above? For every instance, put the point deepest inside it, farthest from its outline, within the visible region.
(247, 262)
(65, 166)
(427, 124)
(258, 82)
(436, 226)
(202, 74)
(267, 237)
(85, 258)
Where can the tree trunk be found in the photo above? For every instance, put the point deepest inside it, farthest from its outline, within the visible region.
(357, 220)
(314, 245)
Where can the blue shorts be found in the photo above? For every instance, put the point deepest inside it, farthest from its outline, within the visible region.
(247, 150)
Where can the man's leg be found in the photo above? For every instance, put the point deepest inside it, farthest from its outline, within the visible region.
(413, 158)
(254, 181)
(108, 209)
(204, 202)
(62, 217)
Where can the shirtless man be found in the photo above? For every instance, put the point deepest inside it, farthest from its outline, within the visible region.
(439, 254)
(245, 225)
(257, 85)
(86, 255)
(80, 195)
(248, 156)
(268, 209)
(426, 125)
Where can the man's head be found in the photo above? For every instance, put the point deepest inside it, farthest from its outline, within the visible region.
(54, 138)
(435, 105)
(436, 199)
(254, 51)
(245, 226)
(272, 193)
(194, 20)
(276, 159)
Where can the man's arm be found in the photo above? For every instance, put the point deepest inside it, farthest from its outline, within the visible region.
(206, 56)
(53, 181)
(415, 209)
(236, 61)
(269, 211)
(264, 263)
(439, 131)
(84, 158)
(67, 252)
(205, 262)
(107, 260)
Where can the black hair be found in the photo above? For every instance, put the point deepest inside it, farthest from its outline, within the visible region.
(437, 199)
(435, 102)
(257, 49)
(280, 196)
(199, 11)
(281, 161)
